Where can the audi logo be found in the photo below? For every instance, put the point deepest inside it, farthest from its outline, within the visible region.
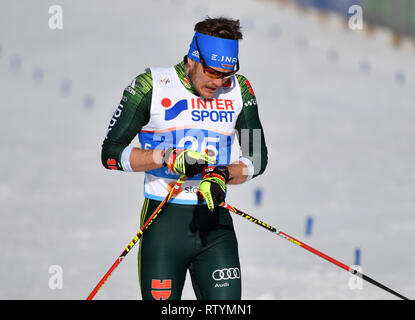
(226, 274)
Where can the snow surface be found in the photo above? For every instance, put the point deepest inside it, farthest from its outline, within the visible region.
(338, 113)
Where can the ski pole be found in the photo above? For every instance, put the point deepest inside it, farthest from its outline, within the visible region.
(307, 247)
(145, 226)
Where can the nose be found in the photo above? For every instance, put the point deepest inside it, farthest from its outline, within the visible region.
(218, 82)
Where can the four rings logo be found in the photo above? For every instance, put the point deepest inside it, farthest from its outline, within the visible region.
(226, 274)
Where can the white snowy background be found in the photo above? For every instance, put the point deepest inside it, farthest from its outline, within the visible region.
(338, 112)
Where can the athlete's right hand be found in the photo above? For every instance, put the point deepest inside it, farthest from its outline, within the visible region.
(187, 162)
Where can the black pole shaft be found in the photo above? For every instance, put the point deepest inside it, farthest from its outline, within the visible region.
(298, 242)
(378, 284)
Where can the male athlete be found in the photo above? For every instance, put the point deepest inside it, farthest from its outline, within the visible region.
(185, 117)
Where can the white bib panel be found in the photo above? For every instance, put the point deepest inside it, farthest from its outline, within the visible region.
(183, 120)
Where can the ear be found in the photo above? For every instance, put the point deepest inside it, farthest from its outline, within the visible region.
(190, 66)
(191, 63)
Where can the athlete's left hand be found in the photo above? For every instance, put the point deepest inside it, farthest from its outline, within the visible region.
(213, 187)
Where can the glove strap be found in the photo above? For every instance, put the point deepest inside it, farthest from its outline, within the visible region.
(220, 172)
(169, 158)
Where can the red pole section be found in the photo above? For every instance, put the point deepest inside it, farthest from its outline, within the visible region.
(145, 226)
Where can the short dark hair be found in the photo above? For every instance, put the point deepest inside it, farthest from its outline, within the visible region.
(220, 27)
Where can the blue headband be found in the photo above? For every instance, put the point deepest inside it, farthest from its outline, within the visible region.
(216, 52)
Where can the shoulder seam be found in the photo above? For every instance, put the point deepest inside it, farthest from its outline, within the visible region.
(144, 82)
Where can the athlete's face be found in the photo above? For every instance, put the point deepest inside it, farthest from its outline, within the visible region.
(205, 86)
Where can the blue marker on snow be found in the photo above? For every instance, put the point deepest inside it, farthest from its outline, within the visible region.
(258, 196)
(365, 67)
(15, 62)
(400, 77)
(65, 86)
(38, 74)
(309, 226)
(332, 55)
(357, 254)
(89, 101)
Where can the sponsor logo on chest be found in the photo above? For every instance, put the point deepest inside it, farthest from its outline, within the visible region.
(201, 110)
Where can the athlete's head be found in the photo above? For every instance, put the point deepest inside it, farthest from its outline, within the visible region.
(213, 54)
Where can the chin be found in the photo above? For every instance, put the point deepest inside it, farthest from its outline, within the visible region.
(207, 94)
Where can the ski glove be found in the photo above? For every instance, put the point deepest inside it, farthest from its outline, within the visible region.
(213, 187)
(187, 162)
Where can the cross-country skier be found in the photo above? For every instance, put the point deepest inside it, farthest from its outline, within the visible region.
(185, 117)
